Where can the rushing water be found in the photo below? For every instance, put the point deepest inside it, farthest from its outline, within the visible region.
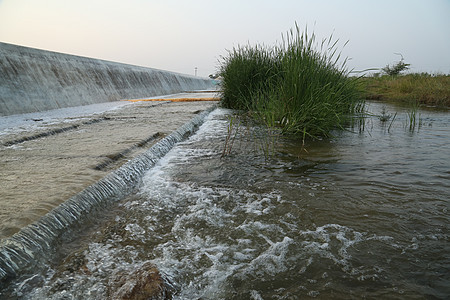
(363, 215)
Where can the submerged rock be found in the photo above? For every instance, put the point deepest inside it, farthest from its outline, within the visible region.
(145, 283)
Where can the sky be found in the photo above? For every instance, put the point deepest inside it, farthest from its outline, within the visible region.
(188, 35)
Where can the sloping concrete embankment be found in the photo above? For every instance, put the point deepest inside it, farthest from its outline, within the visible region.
(34, 243)
(33, 80)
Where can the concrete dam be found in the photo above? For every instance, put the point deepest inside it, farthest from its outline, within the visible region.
(33, 80)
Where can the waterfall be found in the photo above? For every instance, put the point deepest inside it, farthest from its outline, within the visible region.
(33, 243)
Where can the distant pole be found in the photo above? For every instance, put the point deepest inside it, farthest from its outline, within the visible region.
(195, 71)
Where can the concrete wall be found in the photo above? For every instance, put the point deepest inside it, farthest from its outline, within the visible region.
(33, 80)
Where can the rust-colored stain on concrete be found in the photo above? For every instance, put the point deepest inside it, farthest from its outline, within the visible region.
(177, 99)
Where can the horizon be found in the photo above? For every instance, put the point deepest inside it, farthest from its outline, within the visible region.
(154, 33)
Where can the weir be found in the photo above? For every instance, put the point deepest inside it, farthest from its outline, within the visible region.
(33, 243)
(33, 80)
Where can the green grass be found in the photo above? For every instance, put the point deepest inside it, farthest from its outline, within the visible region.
(244, 71)
(423, 88)
(412, 114)
(297, 86)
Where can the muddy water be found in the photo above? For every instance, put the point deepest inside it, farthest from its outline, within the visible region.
(364, 215)
(39, 174)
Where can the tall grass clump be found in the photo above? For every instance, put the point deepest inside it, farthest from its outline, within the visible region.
(293, 86)
(246, 70)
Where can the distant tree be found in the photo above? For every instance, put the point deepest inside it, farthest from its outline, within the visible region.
(397, 68)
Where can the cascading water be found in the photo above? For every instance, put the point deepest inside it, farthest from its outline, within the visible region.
(33, 243)
(360, 216)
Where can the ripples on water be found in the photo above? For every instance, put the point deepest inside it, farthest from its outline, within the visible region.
(362, 215)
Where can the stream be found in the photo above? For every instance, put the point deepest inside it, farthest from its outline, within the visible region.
(362, 215)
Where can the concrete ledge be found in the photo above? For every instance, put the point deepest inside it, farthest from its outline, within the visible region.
(33, 80)
(34, 243)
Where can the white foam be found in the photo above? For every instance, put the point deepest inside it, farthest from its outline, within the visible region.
(32, 121)
(271, 261)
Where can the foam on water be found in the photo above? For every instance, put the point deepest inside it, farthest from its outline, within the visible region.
(32, 121)
(32, 244)
(229, 239)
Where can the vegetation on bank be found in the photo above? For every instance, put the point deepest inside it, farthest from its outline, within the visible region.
(300, 88)
(293, 86)
(423, 88)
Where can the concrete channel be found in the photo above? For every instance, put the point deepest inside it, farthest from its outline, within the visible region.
(62, 126)
(69, 146)
(53, 181)
(45, 163)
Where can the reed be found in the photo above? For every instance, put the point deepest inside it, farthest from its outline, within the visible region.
(298, 86)
(244, 71)
(234, 124)
(413, 118)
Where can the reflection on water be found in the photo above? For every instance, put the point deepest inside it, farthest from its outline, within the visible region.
(361, 215)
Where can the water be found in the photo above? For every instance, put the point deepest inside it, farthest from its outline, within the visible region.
(364, 215)
(45, 163)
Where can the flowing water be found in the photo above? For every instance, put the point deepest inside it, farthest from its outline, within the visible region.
(363, 215)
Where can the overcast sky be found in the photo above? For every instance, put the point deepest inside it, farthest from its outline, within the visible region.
(179, 35)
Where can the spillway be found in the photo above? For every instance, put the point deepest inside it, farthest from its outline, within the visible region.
(33, 80)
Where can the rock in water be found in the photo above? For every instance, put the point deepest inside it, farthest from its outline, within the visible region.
(145, 283)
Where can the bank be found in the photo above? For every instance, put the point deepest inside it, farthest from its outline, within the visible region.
(427, 89)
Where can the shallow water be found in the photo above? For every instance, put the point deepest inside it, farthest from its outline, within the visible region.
(39, 174)
(362, 215)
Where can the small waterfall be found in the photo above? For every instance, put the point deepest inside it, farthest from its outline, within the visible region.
(34, 80)
(33, 243)
(52, 132)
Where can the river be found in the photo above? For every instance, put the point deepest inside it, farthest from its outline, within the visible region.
(361, 215)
